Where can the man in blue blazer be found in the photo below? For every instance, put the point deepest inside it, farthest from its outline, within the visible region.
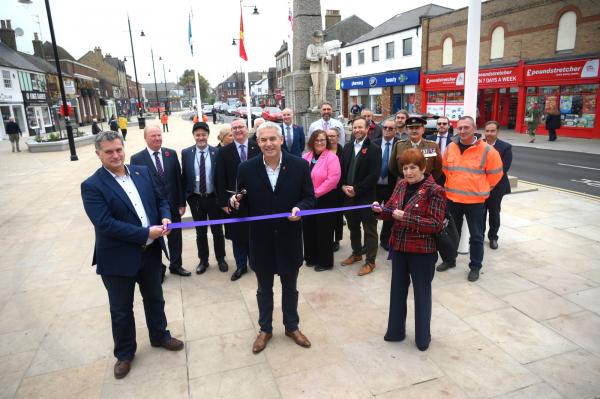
(164, 167)
(198, 175)
(130, 218)
(275, 182)
(293, 135)
(492, 204)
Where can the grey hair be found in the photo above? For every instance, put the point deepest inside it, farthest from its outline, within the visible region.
(259, 121)
(269, 125)
(366, 109)
(106, 136)
(389, 119)
(149, 127)
(470, 119)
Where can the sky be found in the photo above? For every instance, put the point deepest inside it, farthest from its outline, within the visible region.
(82, 25)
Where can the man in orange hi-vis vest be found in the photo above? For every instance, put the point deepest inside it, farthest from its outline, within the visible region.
(472, 169)
(164, 119)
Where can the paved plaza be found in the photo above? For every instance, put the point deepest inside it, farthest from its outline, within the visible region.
(529, 328)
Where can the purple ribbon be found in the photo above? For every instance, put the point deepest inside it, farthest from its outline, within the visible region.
(309, 212)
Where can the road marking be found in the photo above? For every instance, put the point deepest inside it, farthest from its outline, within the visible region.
(577, 166)
(586, 195)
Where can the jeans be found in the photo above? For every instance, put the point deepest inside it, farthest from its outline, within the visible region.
(474, 216)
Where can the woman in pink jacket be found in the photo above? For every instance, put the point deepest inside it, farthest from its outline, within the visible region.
(318, 230)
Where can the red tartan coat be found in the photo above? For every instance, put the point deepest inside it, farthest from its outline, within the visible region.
(423, 217)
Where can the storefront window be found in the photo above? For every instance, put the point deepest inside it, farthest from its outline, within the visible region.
(455, 97)
(46, 116)
(376, 104)
(31, 119)
(576, 103)
(436, 96)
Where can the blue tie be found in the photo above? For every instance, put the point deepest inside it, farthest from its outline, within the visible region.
(386, 160)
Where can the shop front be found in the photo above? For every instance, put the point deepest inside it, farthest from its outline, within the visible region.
(37, 111)
(384, 94)
(569, 87)
(11, 101)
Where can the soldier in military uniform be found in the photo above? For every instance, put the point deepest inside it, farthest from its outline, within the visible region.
(416, 128)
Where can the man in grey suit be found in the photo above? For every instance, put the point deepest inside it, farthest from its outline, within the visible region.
(198, 175)
(165, 170)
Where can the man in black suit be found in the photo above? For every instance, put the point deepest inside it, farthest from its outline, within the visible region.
(492, 204)
(275, 183)
(130, 218)
(198, 175)
(361, 168)
(166, 171)
(228, 161)
(387, 181)
(443, 136)
(373, 129)
(293, 135)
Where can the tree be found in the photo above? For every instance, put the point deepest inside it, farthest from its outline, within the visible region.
(187, 81)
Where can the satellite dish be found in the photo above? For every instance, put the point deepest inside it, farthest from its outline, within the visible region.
(19, 32)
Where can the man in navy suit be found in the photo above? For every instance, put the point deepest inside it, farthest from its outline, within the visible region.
(293, 135)
(164, 168)
(198, 175)
(130, 218)
(275, 182)
(492, 204)
(443, 138)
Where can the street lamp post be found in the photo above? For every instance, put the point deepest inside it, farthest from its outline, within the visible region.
(155, 85)
(137, 82)
(167, 105)
(61, 84)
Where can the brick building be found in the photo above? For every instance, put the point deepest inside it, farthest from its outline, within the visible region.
(532, 51)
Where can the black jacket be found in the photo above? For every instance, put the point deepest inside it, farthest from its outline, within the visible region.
(12, 128)
(391, 178)
(368, 169)
(505, 151)
(553, 121)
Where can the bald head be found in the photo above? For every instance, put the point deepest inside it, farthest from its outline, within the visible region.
(153, 137)
(288, 116)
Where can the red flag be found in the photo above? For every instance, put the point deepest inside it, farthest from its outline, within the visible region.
(242, 48)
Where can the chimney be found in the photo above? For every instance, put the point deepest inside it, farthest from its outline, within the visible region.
(332, 17)
(38, 49)
(7, 34)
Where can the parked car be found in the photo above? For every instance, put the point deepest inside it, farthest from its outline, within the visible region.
(240, 112)
(231, 110)
(272, 114)
(207, 109)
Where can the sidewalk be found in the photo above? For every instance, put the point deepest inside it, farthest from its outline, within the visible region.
(530, 327)
(589, 146)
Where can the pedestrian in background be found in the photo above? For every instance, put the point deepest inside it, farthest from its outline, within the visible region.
(552, 123)
(374, 130)
(164, 119)
(333, 136)
(95, 128)
(533, 120)
(417, 208)
(401, 117)
(113, 123)
(123, 126)
(214, 115)
(14, 133)
(318, 231)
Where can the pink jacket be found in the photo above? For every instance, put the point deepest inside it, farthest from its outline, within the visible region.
(326, 173)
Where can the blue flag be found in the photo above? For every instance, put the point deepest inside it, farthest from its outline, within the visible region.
(191, 42)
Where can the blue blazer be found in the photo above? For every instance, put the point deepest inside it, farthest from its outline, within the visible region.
(120, 237)
(170, 183)
(299, 140)
(505, 151)
(188, 174)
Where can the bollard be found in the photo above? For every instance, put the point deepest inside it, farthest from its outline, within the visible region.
(463, 245)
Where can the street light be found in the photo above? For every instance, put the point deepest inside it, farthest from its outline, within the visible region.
(167, 106)
(137, 83)
(61, 84)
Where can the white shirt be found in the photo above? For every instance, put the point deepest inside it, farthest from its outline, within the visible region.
(321, 124)
(130, 189)
(273, 174)
(245, 144)
(358, 146)
(383, 143)
(160, 156)
(207, 169)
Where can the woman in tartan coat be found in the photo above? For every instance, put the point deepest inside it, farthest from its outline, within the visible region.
(417, 207)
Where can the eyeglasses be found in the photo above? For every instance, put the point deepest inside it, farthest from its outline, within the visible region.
(389, 128)
(321, 141)
(442, 123)
(237, 127)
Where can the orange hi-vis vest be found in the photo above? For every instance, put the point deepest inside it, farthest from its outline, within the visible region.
(470, 176)
(164, 119)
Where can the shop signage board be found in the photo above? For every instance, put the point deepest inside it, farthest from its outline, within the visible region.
(383, 80)
(566, 71)
(488, 78)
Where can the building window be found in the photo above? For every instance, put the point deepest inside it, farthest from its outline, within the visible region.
(447, 52)
(361, 57)
(348, 59)
(389, 51)
(375, 53)
(576, 103)
(7, 79)
(567, 31)
(497, 45)
(407, 46)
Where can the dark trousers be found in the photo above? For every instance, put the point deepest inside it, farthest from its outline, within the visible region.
(165, 127)
(120, 297)
(383, 193)
(339, 227)
(420, 269)
(203, 208)
(289, 300)
(318, 233)
(241, 250)
(551, 134)
(174, 242)
(124, 133)
(474, 216)
(369, 224)
(492, 206)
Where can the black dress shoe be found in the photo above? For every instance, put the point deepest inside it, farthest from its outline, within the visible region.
(336, 246)
(473, 275)
(223, 266)
(494, 244)
(363, 250)
(310, 264)
(385, 246)
(179, 270)
(320, 268)
(389, 338)
(237, 274)
(442, 267)
(202, 266)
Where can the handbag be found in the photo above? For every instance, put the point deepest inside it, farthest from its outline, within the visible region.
(529, 119)
(447, 239)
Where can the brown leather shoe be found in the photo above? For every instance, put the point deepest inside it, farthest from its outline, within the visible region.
(260, 342)
(122, 368)
(351, 259)
(298, 338)
(366, 269)
(172, 344)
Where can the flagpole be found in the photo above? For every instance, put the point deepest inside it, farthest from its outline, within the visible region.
(197, 83)
(248, 113)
